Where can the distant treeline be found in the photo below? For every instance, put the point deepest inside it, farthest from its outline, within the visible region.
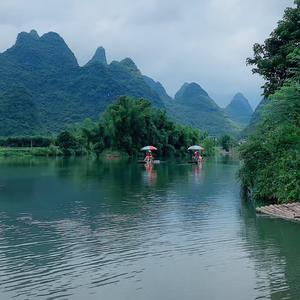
(127, 125)
(26, 141)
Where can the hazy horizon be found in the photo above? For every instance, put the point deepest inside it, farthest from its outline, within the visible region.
(205, 41)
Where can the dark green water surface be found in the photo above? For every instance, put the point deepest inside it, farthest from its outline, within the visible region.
(82, 229)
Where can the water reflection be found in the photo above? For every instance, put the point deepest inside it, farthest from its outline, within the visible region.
(274, 246)
(150, 174)
(80, 228)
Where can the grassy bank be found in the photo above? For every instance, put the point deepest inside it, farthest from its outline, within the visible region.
(53, 151)
(29, 151)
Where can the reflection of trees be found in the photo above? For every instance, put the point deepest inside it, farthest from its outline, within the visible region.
(274, 245)
(61, 216)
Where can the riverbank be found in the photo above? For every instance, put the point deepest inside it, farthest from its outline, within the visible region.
(290, 211)
(27, 151)
(54, 151)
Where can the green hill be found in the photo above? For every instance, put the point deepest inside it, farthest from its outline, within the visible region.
(193, 106)
(18, 113)
(61, 91)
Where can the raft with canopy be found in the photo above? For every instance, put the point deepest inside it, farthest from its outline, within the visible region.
(196, 148)
(149, 149)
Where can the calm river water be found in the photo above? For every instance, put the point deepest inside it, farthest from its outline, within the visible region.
(82, 229)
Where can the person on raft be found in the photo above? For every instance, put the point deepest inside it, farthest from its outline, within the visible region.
(148, 157)
(197, 157)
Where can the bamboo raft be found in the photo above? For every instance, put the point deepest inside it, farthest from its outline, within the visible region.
(289, 211)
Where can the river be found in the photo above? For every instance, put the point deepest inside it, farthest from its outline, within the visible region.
(82, 229)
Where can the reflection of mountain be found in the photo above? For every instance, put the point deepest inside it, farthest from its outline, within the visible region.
(274, 247)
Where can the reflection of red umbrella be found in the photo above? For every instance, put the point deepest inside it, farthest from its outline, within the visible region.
(148, 148)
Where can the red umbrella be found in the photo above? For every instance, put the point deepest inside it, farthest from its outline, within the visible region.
(146, 148)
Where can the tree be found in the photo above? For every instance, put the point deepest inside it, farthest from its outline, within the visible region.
(67, 143)
(271, 157)
(276, 59)
(227, 142)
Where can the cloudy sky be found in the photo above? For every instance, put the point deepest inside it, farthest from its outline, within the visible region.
(173, 41)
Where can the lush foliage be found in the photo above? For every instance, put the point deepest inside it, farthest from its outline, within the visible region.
(227, 142)
(272, 156)
(276, 60)
(18, 112)
(127, 125)
(26, 141)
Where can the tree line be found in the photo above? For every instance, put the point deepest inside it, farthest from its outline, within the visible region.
(126, 126)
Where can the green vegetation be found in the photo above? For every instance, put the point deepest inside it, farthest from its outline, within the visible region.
(227, 142)
(52, 150)
(276, 59)
(18, 113)
(126, 126)
(271, 156)
(26, 141)
(43, 89)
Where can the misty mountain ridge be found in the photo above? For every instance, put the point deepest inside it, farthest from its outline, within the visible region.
(61, 92)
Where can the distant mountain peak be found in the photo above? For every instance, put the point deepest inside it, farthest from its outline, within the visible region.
(99, 57)
(239, 97)
(128, 62)
(61, 91)
(34, 33)
(50, 49)
(25, 37)
(52, 37)
(190, 90)
(239, 94)
(194, 107)
(239, 109)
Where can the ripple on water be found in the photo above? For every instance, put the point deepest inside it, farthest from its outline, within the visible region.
(112, 242)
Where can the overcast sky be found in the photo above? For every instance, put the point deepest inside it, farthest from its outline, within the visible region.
(173, 41)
